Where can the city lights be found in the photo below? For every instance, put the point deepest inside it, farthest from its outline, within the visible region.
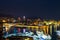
(35, 28)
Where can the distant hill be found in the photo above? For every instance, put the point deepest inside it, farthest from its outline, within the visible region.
(5, 15)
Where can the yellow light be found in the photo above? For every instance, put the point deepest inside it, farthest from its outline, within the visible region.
(4, 21)
(50, 22)
(27, 39)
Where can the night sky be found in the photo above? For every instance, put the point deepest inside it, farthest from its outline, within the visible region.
(38, 8)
